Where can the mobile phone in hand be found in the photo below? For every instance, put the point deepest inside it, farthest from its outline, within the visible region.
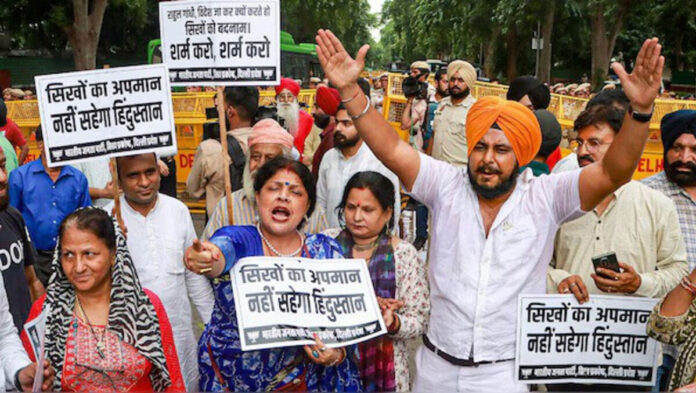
(606, 261)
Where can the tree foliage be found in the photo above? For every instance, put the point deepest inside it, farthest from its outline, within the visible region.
(496, 34)
(87, 27)
(350, 20)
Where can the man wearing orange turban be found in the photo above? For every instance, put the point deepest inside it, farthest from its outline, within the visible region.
(492, 233)
(517, 122)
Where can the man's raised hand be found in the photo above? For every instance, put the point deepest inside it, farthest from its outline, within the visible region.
(341, 69)
(643, 83)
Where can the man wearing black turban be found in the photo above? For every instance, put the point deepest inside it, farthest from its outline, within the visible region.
(550, 139)
(678, 181)
(530, 92)
(679, 142)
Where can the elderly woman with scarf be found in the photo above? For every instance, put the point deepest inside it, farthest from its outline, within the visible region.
(397, 275)
(285, 195)
(104, 332)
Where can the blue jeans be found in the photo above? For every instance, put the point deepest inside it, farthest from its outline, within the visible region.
(663, 372)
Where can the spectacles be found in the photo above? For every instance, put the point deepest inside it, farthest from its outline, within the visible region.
(591, 145)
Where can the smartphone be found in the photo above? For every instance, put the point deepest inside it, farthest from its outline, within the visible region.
(606, 261)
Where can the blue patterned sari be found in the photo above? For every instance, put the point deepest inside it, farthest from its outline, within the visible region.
(269, 369)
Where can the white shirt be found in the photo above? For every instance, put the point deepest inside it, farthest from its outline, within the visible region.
(567, 163)
(98, 176)
(157, 243)
(475, 280)
(12, 355)
(335, 171)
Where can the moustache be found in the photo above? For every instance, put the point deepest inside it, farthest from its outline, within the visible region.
(683, 165)
(488, 170)
(586, 157)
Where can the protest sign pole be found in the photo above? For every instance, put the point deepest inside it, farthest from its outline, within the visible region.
(117, 199)
(225, 157)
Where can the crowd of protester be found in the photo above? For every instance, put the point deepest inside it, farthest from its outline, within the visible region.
(481, 179)
(14, 94)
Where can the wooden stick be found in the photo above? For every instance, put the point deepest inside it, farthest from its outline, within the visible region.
(225, 157)
(117, 197)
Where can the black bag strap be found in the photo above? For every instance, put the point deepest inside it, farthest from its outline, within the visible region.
(236, 153)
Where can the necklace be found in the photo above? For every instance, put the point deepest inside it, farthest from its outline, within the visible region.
(273, 249)
(366, 247)
(100, 342)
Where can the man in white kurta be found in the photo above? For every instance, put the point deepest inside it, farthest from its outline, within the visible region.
(13, 358)
(349, 156)
(492, 230)
(158, 234)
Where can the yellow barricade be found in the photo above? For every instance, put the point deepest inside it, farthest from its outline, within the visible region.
(565, 108)
(189, 117)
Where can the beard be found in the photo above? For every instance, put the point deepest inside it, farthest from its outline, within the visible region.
(682, 179)
(459, 94)
(321, 120)
(4, 200)
(503, 188)
(444, 93)
(290, 113)
(341, 142)
(248, 182)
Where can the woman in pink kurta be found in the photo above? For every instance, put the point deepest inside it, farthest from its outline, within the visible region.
(104, 332)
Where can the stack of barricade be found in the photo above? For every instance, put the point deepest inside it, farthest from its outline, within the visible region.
(189, 117)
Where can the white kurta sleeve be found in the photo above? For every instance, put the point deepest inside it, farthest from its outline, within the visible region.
(12, 355)
(199, 290)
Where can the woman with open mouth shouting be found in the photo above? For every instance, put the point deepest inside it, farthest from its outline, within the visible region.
(285, 195)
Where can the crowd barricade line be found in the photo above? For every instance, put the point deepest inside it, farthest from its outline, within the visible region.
(189, 117)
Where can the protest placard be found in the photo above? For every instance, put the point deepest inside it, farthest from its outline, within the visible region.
(35, 330)
(233, 42)
(601, 341)
(111, 112)
(283, 301)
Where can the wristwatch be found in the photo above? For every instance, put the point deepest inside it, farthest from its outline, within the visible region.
(642, 117)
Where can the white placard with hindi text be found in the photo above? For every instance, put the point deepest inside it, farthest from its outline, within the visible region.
(35, 331)
(601, 341)
(105, 113)
(221, 42)
(282, 302)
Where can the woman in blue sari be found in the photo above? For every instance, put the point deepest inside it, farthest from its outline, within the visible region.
(285, 194)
